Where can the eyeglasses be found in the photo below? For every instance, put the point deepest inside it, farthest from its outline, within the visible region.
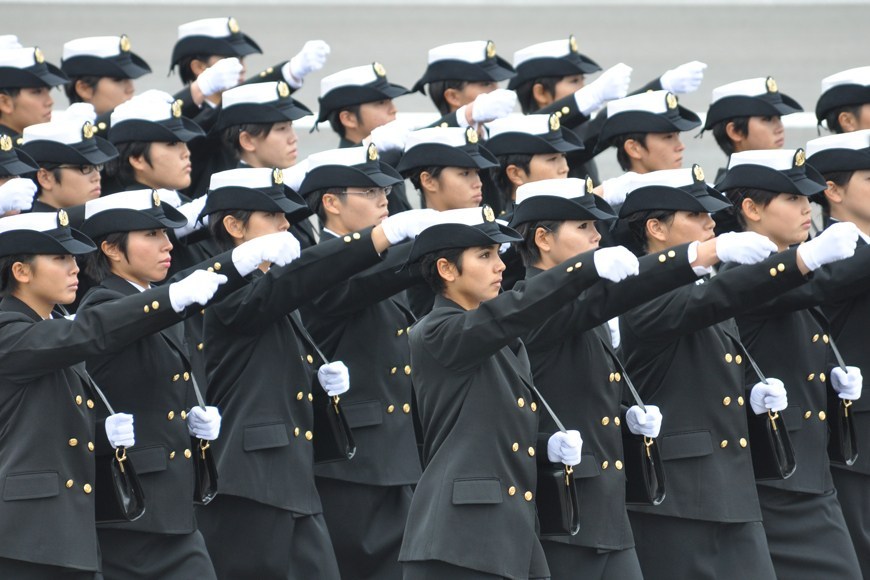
(83, 169)
(372, 192)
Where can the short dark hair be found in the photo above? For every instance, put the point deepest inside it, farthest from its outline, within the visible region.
(219, 232)
(10, 92)
(96, 264)
(8, 283)
(619, 142)
(70, 88)
(54, 168)
(119, 169)
(840, 178)
(233, 133)
(429, 266)
(315, 200)
(528, 249)
(335, 121)
(437, 90)
(736, 195)
(636, 226)
(499, 174)
(526, 95)
(833, 117)
(414, 176)
(720, 133)
(184, 69)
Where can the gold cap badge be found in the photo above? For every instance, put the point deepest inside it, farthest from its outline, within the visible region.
(490, 49)
(277, 176)
(62, 218)
(488, 214)
(372, 152)
(572, 43)
(671, 100)
(155, 197)
(379, 69)
(471, 136)
(800, 158)
(233, 25)
(176, 108)
(88, 130)
(771, 85)
(5, 143)
(554, 123)
(589, 185)
(124, 45)
(698, 172)
(283, 89)
(38, 57)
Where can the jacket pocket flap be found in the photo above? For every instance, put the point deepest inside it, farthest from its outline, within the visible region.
(147, 459)
(684, 445)
(793, 418)
(266, 436)
(477, 491)
(31, 485)
(588, 467)
(363, 414)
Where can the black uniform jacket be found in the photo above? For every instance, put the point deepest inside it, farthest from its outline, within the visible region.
(573, 365)
(48, 417)
(681, 351)
(361, 323)
(261, 375)
(474, 506)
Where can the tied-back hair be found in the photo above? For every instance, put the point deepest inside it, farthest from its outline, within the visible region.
(8, 283)
(219, 232)
(96, 264)
(527, 248)
(429, 266)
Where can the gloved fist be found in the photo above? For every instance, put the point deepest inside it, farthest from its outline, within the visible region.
(686, 78)
(389, 137)
(848, 383)
(279, 249)
(647, 424)
(79, 112)
(311, 58)
(565, 447)
(770, 396)
(196, 288)
(616, 263)
(612, 84)
(408, 224)
(222, 75)
(334, 378)
(204, 423)
(743, 247)
(119, 430)
(615, 190)
(491, 106)
(835, 243)
(16, 195)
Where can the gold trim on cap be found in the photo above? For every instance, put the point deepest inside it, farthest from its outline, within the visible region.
(176, 108)
(488, 214)
(671, 100)
(490, 49)
(124, 44)
(232, 25)
(5, 143)
(800, 158)
(62, 218)
(771, 85)
(698, 172)
(372, 152)
(572, 43)
(379, 69)
(283, 90)
(155, 197)
(471, 136)
(88, 130)
(555, 124)
(277, 176)
(38, 57)
(590, 186)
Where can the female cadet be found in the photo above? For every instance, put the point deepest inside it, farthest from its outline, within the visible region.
(16, 195)
(47, 403)
(684, 353)
(576, 369)
(803, 520)
(267, 522)
(472, 515)
(151, 378)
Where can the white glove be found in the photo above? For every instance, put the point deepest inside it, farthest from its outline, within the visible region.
(743, 247)
(490, 106)
(222, 75)
(612, 84)
(770, 396)
(16, 195)
(615, 190)
(616, 263)
(191, 211)
(408, 224)
(119, 430)
(204, 423)
(311, 58)
(389, 137)
(647, 424)
(79, 113)
(295, 174)
(686, 78)
(847, 383)
(279, 248)
(334, 378)
(835, 243)
(565, 447)
(197, 288)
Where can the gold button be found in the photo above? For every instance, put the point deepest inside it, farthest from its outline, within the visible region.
(172, 455)
(210, 269)
(217, 266)
(299, 395)
(310, 359)
(822, 377)
(604, 465)
(618, 464)
(738, 359)
(743, 442)
(605, 421)
(780, 267)
(444, 125)
(617, 421)
(347, 239)
(521, 402)
(728, 357)
(406, 408)
(183, 415)
(662, 258)
(73, 442)
(400, 332)
(569, 269)
(617, 377)
(310, 397)
(512, 491)
(565, 110)
(202, 312)
(391, 408)
(187, 454)
(822, 415)
(726, 401)
(90, 404)
(515, 447)
(101, 126)
(773, 272)
(69, 483)
(356, 235)
(815, 338)
(146, 309)
(808, 414)
(393, 370)
(825, 338)
(309, 435)
(78, 399)
(740, 401)
(175, 377)
(724, 444)
(578, 265)
(531, 451)
(811, 376)
(407, 369)
(296, 432)
(527, 496)
(186, 376)
(199, 346)
(611, 377)
(155, 305)
(170, 415)
(87, 488)
(672, 254)
(533, 406)
(90, 446)
(557, 113)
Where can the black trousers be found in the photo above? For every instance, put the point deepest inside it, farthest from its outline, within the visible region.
(853, 491)
(568, 562)
(437, 570)
(247, 539)
(21, 570)
(670, 548)
(129, 555)
(366, 523)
